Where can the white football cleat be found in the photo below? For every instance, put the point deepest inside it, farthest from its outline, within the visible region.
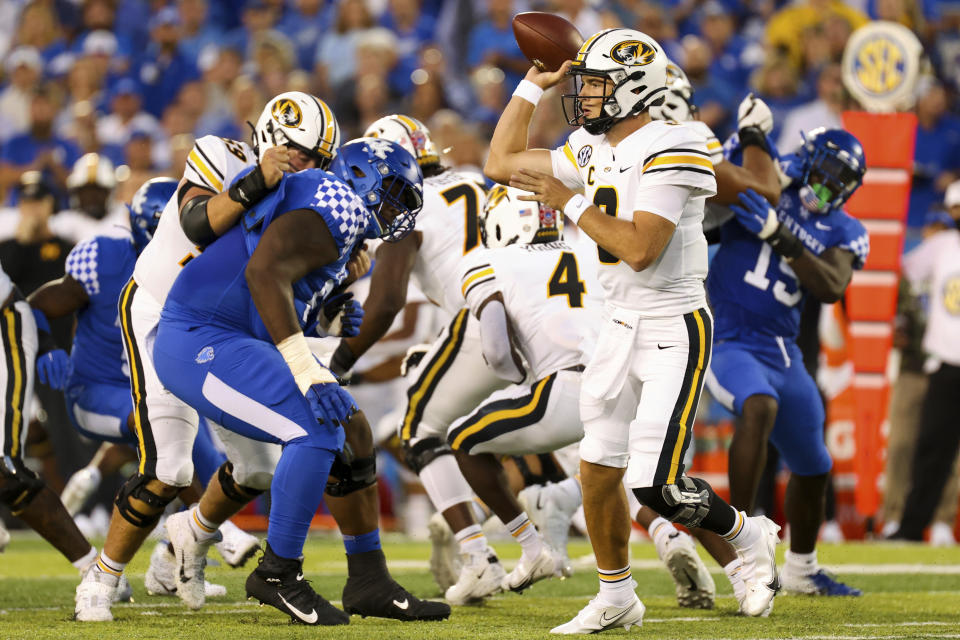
(123, 592)
(79, 488)
(551, 509)
(94, 596)
(941, 535)
(831, 533)
(548, 564)
(161, 580)
(598, 616)
(4, 537)
(760, 573)
(191, 558)
(694, 585)
(237, 545)
(445, 562)
(481, 577)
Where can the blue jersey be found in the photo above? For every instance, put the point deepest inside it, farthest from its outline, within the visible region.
(212, 288)
(753, 290)
(102, 265)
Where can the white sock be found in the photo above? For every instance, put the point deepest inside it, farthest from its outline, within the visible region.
(109, 566)
(660, 529)
(202, 528)
(616, 586)
(526, 534)
(471, 539)
(88, 557)
(744, 532)
(802, 563)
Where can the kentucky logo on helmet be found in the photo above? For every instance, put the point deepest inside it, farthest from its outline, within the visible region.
(287, 113)
(633, 53)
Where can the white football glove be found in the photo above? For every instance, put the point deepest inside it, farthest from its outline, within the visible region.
(754, 112)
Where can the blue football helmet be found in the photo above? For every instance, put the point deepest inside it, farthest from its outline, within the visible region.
(146, 206)
(388, 180)
(832, 166)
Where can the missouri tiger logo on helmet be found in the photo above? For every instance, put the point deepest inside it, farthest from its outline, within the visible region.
(507, 219)
(409, 133)
(633, 53)
(287, 113)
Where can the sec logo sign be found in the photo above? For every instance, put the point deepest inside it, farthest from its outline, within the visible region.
(881, 64)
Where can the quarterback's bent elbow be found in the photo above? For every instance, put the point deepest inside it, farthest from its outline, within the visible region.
(495, 170)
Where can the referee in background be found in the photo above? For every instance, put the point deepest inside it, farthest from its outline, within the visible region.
(935, 266)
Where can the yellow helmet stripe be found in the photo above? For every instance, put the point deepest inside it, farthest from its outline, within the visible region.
(408, 122)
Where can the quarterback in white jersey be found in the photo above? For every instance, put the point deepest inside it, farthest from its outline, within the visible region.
(644, 186)
(295, 131)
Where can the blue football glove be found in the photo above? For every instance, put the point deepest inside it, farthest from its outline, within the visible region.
(53, 367)
(331, 401)
(789, 169)
(341, 315)
(756, 215)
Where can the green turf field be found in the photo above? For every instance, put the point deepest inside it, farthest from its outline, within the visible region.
(911, 592)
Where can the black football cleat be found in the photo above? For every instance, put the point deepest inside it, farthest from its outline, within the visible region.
(371, 591)
(279, 583)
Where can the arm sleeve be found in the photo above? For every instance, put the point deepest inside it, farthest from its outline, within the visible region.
(83, 264)
(495, 342)
(206, 164)
(664, 200)
(478, 282)
(565, 167)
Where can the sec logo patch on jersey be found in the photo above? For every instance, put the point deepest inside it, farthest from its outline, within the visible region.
(584, 155)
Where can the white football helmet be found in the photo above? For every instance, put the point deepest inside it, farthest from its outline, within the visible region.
(92, 169)
(301, 121)
(409, 133)
(634, 69)
(678, 100)
(507, 220)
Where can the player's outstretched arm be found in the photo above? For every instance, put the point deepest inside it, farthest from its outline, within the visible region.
(508, 147)
(498, 340)
(206, 214)
(758, 173)
(59, 298)
(387, 297)
(825, 276)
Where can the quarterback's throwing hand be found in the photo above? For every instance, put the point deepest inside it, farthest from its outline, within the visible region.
(547, 79)
(756, 215)
(544, 188)
(331, 401)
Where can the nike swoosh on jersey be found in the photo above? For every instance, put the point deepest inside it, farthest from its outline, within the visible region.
(660, 346)
(821, 226)
(402, 605)
(624, 170)
(309, 618)
(606, 622)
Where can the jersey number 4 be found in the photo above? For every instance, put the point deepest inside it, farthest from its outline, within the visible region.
(471, 202)
(757, 277)
(566, 281)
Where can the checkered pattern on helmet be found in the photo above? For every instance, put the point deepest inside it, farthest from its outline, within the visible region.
(82, 266)
(860, 246)
(345, 207)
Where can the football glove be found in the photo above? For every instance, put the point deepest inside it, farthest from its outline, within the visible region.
(53, 367)
(789, 168)
(756, 215)
(341, 315)
(754, 112)
(330, 401)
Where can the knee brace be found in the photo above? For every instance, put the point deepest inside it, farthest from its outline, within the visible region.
(18, 485)
(230, 487)
(687, 502)
(352, 473)
(136, 487)
(423, 452)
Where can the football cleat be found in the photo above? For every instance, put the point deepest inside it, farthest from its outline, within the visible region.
(79, 488)
(694, 585)
(551, 510)
(598, 616)
(123, 592)
(548, 564)
(819, 583)
(941, 535)
(279, 583)
(760, 570)
(94, 596)
(161, 580)
(371, 591)
(191, 558)
(237, 545)
(481, 577)
(444, 552)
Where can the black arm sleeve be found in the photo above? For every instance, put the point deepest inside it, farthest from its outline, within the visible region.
(194, 221)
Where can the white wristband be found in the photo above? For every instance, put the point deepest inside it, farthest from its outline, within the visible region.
(304, 367)
(529, 92)
(575, 207)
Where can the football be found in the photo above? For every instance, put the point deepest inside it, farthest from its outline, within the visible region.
(547, 40)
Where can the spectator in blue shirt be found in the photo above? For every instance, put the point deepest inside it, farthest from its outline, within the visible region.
(40, 29)
(713, 96)
(100, 15)
(38, 149)
(731, 53)
(336, 62)
(936, 156)
(163, 68)
(413, 28)
(304, 24)
(196, 30)
(257, 17)
(492, 43)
